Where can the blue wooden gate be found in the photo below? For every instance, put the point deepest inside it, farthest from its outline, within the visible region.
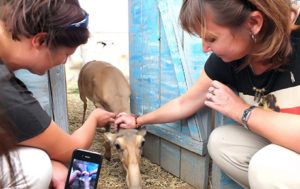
(164, 63)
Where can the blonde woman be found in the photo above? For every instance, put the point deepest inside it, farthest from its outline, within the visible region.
(255, 47)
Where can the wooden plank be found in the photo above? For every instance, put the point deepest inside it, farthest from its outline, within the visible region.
(151, 149)
(150, 58)
(194, 55)
(58, 89)
(170, 157)
(168, 82)
(194, 169)
(182, 68)
(135, 55)
(174, 45)
(178, 138)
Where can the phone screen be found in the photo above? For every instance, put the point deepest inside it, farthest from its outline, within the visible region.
(84, 170)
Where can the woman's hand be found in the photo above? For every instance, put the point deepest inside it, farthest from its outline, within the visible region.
(126, 121)
(59, 175)
(222, 99)
(103, 117)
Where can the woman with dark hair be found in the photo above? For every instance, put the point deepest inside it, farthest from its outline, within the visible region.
(37, 35)
(253, 77)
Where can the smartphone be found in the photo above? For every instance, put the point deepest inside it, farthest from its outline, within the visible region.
(84, 170)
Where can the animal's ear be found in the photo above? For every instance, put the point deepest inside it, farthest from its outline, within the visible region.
(142, 132)
(110, 136)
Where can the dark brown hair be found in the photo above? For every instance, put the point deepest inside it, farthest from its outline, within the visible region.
(54, 17)
(272, 45)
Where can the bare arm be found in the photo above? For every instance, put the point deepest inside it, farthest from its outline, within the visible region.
(59, 145)
(280, 128)
(178, 108)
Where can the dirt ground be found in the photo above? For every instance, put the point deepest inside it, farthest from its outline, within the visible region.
(112, 174)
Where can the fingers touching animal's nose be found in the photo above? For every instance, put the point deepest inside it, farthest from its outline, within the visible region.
(119, 120)
(122, 113)
(123, 125)
(111, 120)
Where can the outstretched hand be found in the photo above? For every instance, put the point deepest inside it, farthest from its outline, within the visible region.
(222, 99)
(126, 121)
(103, 117)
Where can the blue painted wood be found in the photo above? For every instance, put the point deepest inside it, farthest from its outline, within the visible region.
(181, 67)
(194, 168)
(169, 85)
(170, 157)
(151, 149)
(150, 58)
(178, 138)
(58, 93)
(135, 55)
(160, 72)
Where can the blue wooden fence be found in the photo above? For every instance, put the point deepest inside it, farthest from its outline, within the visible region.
(164, 63)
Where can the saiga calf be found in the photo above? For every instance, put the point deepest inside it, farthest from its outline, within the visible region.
(107, 88)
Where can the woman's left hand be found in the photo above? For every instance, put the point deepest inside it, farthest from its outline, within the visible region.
(222, 99)
(125, 121)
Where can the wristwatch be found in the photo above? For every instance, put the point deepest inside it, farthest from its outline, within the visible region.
(246, 116)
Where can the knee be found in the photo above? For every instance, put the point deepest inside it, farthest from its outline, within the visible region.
(264, 169)
(37, 167)
(215, 142)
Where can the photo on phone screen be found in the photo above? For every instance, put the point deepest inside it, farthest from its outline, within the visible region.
(84, 170)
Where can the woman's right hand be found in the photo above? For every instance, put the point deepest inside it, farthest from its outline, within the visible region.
(103, 117)
(126, 121)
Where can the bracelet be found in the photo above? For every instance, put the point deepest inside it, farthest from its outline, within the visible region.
(135, 118)
(246, 115)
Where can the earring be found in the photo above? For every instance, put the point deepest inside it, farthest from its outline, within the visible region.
(253, 37)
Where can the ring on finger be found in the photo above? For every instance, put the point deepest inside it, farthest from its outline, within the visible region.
(209, 98)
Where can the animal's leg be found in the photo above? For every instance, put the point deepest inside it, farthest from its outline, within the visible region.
(84, 111)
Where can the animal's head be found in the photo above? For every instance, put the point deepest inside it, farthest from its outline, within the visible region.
(129, 143)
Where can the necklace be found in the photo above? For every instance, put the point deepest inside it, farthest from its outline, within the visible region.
(259, 92)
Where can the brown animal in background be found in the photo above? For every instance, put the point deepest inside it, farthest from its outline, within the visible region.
(107, 88)
(104, 85)
(129, 143)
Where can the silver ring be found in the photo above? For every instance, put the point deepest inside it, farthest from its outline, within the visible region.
(209, 98)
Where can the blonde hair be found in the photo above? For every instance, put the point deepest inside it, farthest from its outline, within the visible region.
(272, 44)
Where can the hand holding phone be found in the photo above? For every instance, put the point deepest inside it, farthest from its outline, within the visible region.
(84, 170)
